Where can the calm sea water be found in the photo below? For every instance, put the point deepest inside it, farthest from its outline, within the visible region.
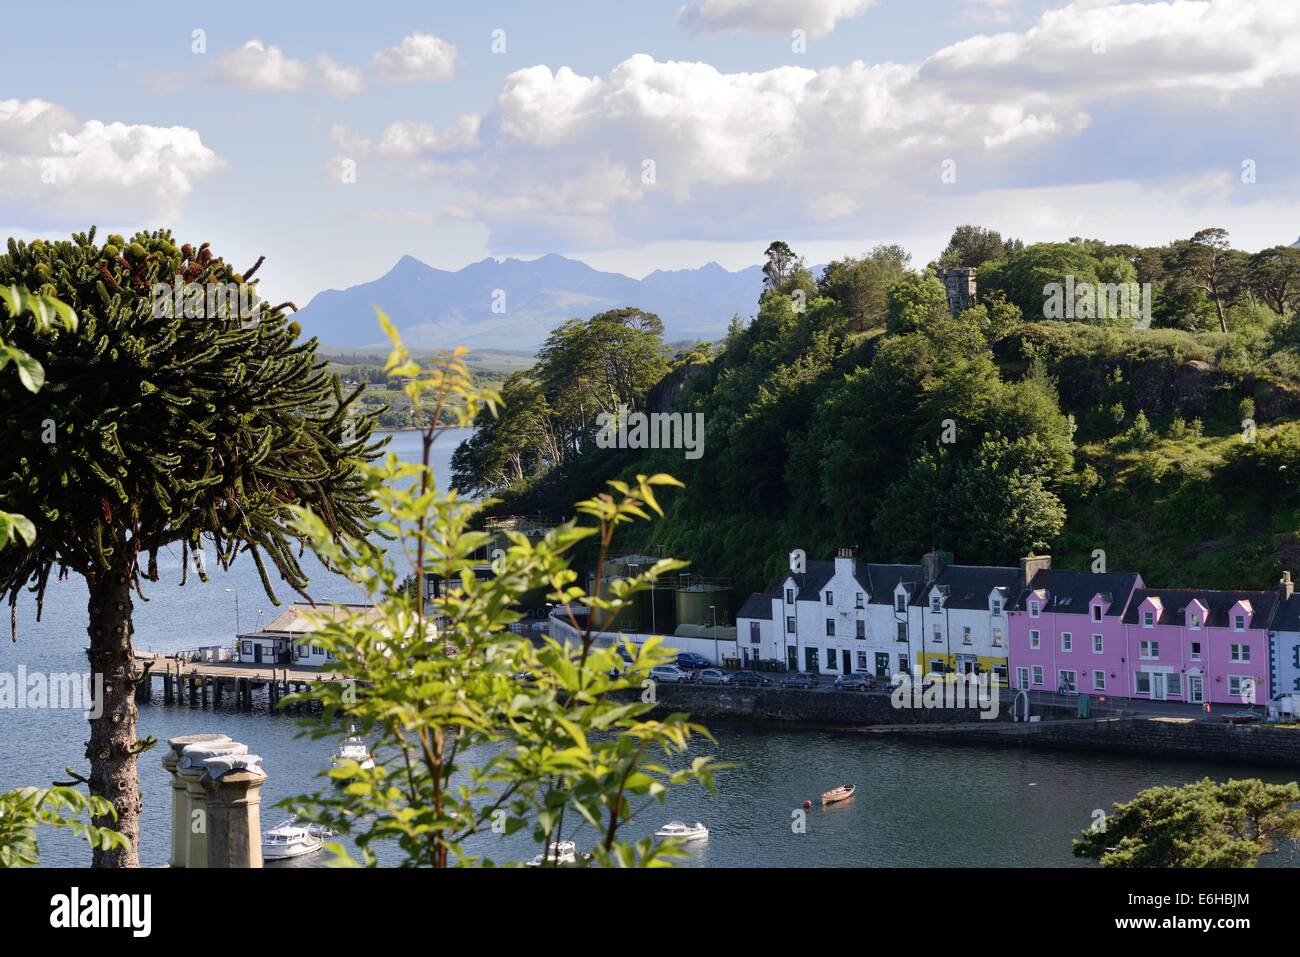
(919, 803)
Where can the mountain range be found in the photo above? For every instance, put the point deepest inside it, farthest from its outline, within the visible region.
(514, 303)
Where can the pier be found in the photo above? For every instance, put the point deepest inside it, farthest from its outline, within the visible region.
(206, 684)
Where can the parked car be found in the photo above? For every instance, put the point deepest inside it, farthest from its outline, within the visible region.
(750, 679)
(800, 679)
(688, 659)
(669, 673)
(853, 683)
(713, 676)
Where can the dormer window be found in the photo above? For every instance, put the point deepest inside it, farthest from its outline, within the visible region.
(789, 596)
(1034, 607)
(996, 607)
(1194, 620)
(1096, 612)
(1148, 619)
(936, 604)
(1238, 622)
(900, 602)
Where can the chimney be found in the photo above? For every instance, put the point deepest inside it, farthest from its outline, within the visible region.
(1031, 565)
(844, 563)
(932, 563)
(1286, 585)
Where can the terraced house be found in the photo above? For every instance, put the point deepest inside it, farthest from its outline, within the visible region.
(1067, 629)
(843, 616)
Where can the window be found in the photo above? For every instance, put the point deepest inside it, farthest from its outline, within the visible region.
(1148, 649)
(900, 603)
(789, 624)
(1098, 644)
(936, 604)
(1065, 681)
(1034, 608)
(1174, 684)
(859, 603)
(1194, 620)
(862, 630)
(1239, 652)
(1000, 674)
(938, 633)
(248, 647)
(1096, 612)
(937, 666)
(789, 596)
(862, 661)
(1022, 678)
(1196, 651)
(1241, 686)
(1035, 639)
(904, 665)
(997, 606)
(1038, 674)
(755, 633)
(1067, 641)
(997, 638)
(1099, 680)
(1142, 682)
(830, 598)
(830, 627)
(830, 658)
(1238, 622)
(1148, 619)
(902, 631)
(317, 650)
(966, 638)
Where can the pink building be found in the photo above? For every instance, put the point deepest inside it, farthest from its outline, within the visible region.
(1067, 630)
(1194, 645)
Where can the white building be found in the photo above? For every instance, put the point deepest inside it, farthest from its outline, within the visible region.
(286, 640)
(843, 616)
(1284, 640)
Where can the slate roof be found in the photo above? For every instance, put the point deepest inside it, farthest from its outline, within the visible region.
(1288, 614)
(1068, 592)
(757, 605)
(969, 586)
(1219, 603)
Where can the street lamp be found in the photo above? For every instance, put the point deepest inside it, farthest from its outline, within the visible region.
(236, 594)
(716, 657)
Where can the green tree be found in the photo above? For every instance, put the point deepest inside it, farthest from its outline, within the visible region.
(973, 246)
(1204, 824)
(779, 267)
(915, 303)
(463, 745)
(156, 429)
(1206, 261)
(509, 446)
(1274, 276)
(861, 286)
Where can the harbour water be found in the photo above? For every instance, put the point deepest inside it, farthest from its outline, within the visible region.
(919, 803)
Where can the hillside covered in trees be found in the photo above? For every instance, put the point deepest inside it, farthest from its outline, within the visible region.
(856, 409)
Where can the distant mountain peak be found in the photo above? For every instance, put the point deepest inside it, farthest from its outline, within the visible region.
(514, 303)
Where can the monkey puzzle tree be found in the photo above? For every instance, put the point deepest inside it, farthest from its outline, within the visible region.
(164, 419)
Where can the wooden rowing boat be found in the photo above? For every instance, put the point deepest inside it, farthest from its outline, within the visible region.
(841, 793)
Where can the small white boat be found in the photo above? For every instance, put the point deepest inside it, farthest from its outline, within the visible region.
(561, 852)
(353, 748)
(683, 831)
(292, 839)
(841, 793)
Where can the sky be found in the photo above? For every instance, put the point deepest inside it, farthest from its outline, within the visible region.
(334, 138)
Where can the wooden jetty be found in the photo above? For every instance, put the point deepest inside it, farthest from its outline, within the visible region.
(204, 683)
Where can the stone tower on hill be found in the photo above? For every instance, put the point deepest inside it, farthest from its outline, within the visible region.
(959, 282)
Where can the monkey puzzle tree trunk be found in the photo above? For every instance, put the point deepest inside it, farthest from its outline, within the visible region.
(111, 748)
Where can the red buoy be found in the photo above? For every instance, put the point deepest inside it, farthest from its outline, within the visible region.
(807, 804)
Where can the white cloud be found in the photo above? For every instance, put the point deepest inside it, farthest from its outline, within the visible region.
(55, 168)
(419, 58)
(817, 17)
(340, 81)
(255, 66)
(407, 139)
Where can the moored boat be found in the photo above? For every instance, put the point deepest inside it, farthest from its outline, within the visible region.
(841, 793)
(561, 852)
(353, 748)
(683, 831)
(291, 839)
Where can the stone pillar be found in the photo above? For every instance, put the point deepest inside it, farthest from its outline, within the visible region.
(233, 784)
(180, 798)
(191, 771)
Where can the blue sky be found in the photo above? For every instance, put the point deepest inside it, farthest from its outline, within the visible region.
(1137, 122)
